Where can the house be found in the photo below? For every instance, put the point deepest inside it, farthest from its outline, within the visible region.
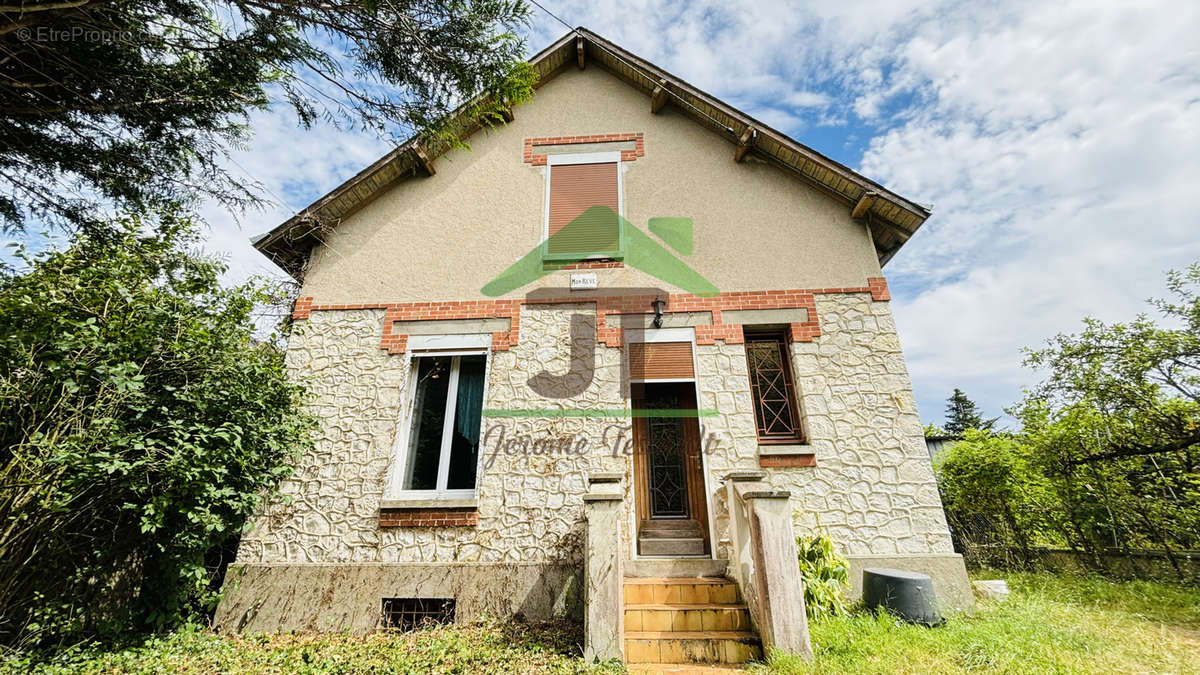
(607, 362)
(939, 445)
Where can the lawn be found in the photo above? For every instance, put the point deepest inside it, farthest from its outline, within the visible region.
(1051, 623)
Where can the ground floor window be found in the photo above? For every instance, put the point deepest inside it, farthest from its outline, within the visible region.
(443, 441)
(775, 410)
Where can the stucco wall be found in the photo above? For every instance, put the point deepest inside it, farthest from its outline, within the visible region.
(443, 237)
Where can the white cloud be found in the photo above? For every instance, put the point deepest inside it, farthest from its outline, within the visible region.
(1058, 143)
(1056, 140)
(808, 99)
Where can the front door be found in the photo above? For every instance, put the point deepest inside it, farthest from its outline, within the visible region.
(667, 465)
(666, 458)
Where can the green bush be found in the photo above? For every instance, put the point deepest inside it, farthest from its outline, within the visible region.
(824, 573)
(140, 424)
(997, 502)
(1107, 459)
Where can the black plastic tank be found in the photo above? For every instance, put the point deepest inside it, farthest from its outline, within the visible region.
(908, 595)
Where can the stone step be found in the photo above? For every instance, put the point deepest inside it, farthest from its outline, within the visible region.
(671, 546)
(679, 590)
(670, 534)
(685, 668)
(675, 567)
(682, 617)
(661, 525)
(691, 647)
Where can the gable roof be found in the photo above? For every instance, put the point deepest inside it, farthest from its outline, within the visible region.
(891, 218)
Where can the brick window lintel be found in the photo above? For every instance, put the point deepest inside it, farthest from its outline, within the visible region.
(429, 517)
(626, 155)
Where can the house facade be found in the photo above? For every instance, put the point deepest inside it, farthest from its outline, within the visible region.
(629, 297)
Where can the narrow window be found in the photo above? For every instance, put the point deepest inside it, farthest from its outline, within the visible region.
(582, 219)
(774, 396)
(408, 614)
(443, 447)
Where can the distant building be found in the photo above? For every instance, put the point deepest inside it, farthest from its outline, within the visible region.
(937, 445)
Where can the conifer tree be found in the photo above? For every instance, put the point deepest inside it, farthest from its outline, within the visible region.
(963, 414)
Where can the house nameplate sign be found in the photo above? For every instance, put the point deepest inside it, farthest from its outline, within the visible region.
(583, 282)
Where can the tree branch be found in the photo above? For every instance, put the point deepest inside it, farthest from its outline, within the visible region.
(1140, 450)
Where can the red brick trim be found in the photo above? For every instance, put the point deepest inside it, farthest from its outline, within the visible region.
(606, 264)
(879, 289)
(787, 461)
(610, 335)
(626, 155)
(302, 309)
(426, 517)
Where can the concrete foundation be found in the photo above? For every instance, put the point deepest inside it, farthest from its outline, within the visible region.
(949, 574)
(346, 596)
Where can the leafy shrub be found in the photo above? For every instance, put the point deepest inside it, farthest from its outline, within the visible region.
(1107, 461)
(996, 501)
(140, 424)
(824, 573)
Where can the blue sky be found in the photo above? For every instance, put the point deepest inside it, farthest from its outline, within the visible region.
(1056, 141)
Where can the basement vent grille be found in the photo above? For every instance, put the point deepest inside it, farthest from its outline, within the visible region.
(408, 614)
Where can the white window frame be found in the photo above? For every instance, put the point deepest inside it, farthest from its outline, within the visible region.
(421, 346)
(582, 158)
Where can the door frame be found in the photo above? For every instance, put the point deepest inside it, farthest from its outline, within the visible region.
(669, 335)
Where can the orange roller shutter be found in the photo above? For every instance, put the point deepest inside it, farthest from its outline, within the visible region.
(574, 188)
(660, 361)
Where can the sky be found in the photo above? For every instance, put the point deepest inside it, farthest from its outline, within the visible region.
(1056, 141)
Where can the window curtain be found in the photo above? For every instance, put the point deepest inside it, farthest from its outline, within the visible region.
(469, 407)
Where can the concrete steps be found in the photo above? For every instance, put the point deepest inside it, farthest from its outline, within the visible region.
(685, 668)
(671, 546)
(673, 525)
(687, 620)
(670, 538)
(675, 567)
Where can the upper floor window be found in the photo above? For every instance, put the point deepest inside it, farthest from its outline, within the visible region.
(775, 411)
(583, 206)
(443, 440)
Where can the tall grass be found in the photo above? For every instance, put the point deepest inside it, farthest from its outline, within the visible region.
(486, 647)
(1050, 624)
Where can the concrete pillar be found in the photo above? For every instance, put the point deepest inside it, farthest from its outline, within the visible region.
(764, 562)
(604, 615)
(781, 591)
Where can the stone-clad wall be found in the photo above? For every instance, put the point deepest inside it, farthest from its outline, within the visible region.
(872, 488)
(530, 499)
(532, 496)
(329, 509)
